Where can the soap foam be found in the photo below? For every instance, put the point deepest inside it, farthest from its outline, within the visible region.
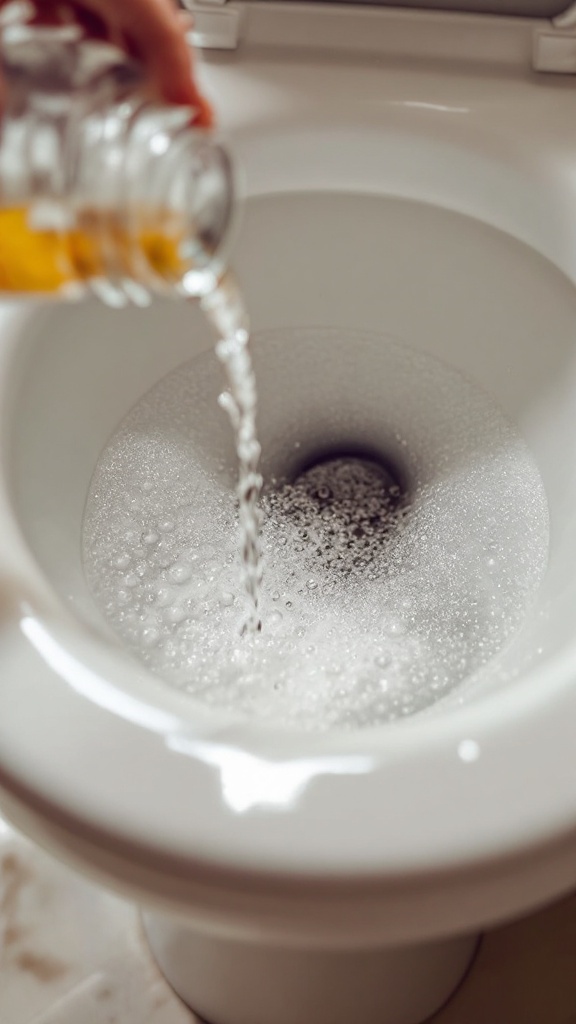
(375, 602)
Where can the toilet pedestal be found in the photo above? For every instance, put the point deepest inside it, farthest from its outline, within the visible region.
(234, 982)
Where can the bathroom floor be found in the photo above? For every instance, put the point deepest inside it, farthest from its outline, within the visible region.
(71, 954)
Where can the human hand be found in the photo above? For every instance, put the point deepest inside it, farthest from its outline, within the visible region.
(154, 31)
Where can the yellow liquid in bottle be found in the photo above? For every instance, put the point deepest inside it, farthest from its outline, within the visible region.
(47, 260)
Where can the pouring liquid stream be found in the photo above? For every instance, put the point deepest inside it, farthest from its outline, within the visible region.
(224, 309)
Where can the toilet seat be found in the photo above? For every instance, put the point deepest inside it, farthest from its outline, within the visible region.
(266, 815)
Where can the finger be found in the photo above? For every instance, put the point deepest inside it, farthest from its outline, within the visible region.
(185, 20)
(156, 35)
(205, 116)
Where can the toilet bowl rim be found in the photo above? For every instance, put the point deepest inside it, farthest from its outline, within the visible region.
(470, 751)
(293, 827)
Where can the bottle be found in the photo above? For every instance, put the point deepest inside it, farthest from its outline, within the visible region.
(103, 190)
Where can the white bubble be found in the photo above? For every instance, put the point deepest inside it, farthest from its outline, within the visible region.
(150, 636)
(179, 573)
(166, 525)
(396, 627)
(175, 614)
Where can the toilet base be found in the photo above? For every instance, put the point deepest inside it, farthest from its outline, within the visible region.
(231, 982)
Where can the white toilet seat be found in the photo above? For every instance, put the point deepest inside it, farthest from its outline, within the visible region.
(190, 809)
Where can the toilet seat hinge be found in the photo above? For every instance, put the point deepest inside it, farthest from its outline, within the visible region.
(216, 24)
(554, 48)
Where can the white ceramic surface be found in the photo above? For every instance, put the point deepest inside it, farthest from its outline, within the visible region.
(138, 785)
(237, 982)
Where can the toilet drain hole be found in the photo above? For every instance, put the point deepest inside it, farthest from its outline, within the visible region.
(342, 510)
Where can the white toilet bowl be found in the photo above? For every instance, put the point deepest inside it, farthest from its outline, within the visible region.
(292, 878)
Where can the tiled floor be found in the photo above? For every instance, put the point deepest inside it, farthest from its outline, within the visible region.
(71, 954)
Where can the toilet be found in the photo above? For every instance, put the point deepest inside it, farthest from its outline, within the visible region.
(405, 172)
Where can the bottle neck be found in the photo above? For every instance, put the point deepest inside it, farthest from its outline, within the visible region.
(157, 195)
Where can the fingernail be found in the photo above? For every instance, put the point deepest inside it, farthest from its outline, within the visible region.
(204, 117)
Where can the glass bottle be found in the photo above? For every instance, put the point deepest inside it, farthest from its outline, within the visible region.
(102, 188)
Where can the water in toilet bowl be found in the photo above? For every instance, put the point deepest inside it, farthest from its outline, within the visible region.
(367, 616)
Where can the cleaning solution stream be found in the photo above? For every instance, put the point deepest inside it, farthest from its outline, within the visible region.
(224, 308)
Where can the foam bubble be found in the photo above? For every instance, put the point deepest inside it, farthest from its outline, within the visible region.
(373, 606)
